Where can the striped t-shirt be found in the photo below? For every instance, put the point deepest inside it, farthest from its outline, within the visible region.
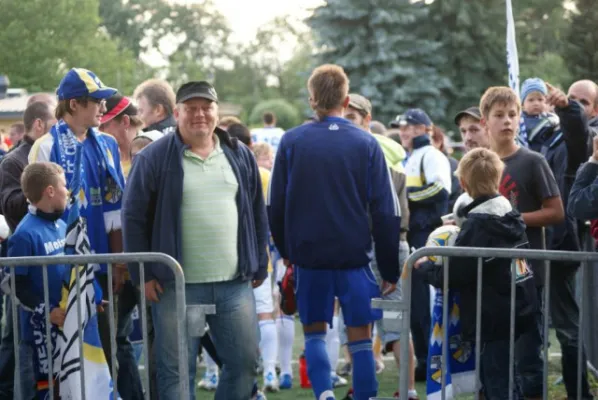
(209, 218)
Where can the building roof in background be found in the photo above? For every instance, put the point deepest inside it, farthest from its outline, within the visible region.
(14, 107)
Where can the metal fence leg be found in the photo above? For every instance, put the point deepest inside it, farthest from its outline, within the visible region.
(580, 330)
(144, 334)
(512, 330)
(15, 333)
(111, 305)
(478, 330)
(546, 330)
(445, 338)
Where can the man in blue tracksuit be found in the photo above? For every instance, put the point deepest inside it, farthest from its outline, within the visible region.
(428, 187)
(330, 193)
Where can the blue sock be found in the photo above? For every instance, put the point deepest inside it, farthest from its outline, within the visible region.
(365, 384)
(318, 365)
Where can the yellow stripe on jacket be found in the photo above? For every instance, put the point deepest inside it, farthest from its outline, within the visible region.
(265, 177)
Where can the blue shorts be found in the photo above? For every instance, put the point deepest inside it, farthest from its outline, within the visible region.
(355, 288)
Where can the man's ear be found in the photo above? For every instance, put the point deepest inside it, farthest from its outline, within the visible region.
(126, 121)
(346, 102)
(176, 113)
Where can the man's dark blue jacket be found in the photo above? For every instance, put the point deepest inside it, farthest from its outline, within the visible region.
(151, 210)
(330, 193)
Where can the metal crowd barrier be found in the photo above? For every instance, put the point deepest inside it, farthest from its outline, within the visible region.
(197, 320)
(404, 307)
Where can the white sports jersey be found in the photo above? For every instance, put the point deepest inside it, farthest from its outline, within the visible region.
(271, 136)
(428, 165)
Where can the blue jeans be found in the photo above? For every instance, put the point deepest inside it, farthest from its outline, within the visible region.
(234, 331)
(494, 371)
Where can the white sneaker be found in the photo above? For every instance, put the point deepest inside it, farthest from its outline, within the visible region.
(338, 381)
(209, 381)
(271, 382)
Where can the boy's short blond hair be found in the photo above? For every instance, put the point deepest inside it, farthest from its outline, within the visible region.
(481, 171)
(262, 150)
(37, 177)
(502, 95)
(328, 88)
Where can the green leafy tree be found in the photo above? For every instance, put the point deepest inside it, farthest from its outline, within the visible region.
(540, 28)
(472, 37)
(287, 115)
(383, 47)
(264, 69)
(581, 41)
(125, 20)
(41, 40)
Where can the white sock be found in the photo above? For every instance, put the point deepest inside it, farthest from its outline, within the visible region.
(211, 366)
(333, 344)
(286, 337)
(268, 345)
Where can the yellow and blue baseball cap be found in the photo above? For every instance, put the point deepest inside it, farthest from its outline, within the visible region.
(79, 82)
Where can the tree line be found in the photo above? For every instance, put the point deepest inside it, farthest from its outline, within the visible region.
(438, 55)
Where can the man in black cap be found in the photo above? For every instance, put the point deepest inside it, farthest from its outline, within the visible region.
(203, 192)
(472, 133)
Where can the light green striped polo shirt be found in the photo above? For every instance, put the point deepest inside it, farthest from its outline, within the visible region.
(209, 218)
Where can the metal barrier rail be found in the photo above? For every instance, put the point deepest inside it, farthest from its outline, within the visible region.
(109, 259)
(446, 252)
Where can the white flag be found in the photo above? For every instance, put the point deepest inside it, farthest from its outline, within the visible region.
(512, 57)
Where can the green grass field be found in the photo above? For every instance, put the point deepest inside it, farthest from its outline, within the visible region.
(388, 379)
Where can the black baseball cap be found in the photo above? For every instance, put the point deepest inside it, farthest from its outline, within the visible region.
(470, 112)
(191, 90)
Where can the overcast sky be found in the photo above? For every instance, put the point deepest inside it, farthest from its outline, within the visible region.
(245, 17)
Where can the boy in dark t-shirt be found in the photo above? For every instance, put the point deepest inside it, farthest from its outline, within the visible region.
(531, 188)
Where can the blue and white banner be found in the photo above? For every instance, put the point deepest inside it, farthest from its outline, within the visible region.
(98, 382)
(512, 56)
(460, 373)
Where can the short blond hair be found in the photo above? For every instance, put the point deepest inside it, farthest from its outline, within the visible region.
(481, 171)
(262, 149)
(37, 177)
(502, 95)
(328, 88)
(158, 92)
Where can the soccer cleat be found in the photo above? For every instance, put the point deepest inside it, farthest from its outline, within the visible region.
(209, 381)
(412, 395)
(286, 381)
(288, 303)
(349, 395)
(271, 383)
(338, 381)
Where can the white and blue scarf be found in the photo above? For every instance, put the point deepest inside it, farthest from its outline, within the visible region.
(64, 151)
(460, 374)
(98, 383)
